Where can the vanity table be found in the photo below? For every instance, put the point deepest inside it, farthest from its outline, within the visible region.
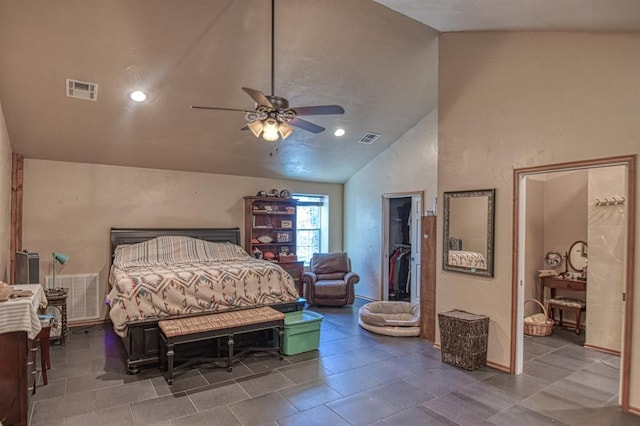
(576, 259)
(577, 306)
(552, 283)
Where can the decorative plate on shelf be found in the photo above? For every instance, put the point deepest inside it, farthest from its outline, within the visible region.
(273, 193)
(553, 258)
(265, 239)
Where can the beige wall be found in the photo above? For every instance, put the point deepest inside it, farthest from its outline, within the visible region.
(534, 243)
(510, 100)
(409, 165)
(606, 270)
(565, 213)
(70, 207)
(5, 200)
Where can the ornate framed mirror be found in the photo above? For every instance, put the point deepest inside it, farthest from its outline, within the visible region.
(468, 231)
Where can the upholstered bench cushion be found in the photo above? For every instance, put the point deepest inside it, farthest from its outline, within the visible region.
(218, 321)
(569, 302)
(174, 332)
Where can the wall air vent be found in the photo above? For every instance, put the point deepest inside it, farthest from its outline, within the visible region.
(369, 138)
(82, 90)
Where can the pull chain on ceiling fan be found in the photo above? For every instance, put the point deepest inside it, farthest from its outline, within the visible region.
(272, 117)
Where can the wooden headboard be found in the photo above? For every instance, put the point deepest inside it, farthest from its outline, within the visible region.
(137, 235)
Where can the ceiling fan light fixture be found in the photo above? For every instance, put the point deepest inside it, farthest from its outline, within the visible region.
(270, 130)
(272, 117)
(256, 127)
(285, 130)
(251, 116)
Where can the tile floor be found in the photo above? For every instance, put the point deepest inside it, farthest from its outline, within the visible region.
(355, 378)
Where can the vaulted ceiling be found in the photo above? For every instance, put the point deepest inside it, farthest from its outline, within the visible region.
(373, 60)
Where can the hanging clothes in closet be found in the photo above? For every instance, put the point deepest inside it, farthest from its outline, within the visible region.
(399, 271)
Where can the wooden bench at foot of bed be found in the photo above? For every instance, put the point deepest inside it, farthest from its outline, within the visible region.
(175, 332)
(142, 341)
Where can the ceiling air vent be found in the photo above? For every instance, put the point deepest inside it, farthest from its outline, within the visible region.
(369, 138)
(82, 90)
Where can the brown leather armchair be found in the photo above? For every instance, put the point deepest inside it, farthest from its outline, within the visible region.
(330, 280)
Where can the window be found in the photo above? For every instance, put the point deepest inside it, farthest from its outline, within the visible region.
(312, 225)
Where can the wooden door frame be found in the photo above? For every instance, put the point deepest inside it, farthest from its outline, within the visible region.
(17, 180)
(385, 225)
(630, 162)
(426, 293)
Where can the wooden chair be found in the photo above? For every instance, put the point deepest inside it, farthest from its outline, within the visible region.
(43, 338)
(576, 306)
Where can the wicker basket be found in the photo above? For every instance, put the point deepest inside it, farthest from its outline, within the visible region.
(538, 328)
(463, 339)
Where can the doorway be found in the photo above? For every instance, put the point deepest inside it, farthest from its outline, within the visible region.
(525, 242)
(401, 217)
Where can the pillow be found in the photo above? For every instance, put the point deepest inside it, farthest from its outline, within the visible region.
(326, 263)
(171, 250)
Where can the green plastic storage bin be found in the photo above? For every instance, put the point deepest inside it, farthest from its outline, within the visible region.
(301, 332)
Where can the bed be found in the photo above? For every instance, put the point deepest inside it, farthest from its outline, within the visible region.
(173, 273)
(467, 259)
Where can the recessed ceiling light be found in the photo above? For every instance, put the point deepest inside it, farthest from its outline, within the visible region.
(339, 132)
(138, 96)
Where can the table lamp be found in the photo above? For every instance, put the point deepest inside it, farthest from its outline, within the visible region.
(62, 259)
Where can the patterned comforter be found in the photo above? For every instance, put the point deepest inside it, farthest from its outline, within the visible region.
(175, 283)
(467, 259)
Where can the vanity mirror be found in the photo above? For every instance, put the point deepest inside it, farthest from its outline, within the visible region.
(468, 232)
(577, 256)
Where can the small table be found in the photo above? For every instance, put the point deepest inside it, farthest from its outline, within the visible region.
(19, 325)
(552, 283)
(57, 298)
(295, 269)
(558, 282)
(21, 314)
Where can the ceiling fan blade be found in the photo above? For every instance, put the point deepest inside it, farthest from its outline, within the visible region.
(258, 96)
(319, 110)
(219, 108)
(303, 124)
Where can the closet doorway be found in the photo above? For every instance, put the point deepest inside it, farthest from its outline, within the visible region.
(610, 229)
(401, 224)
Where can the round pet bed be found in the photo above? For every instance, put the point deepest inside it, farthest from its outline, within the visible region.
(398, 319)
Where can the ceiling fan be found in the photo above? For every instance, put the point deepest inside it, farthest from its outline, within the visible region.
(272, 117)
